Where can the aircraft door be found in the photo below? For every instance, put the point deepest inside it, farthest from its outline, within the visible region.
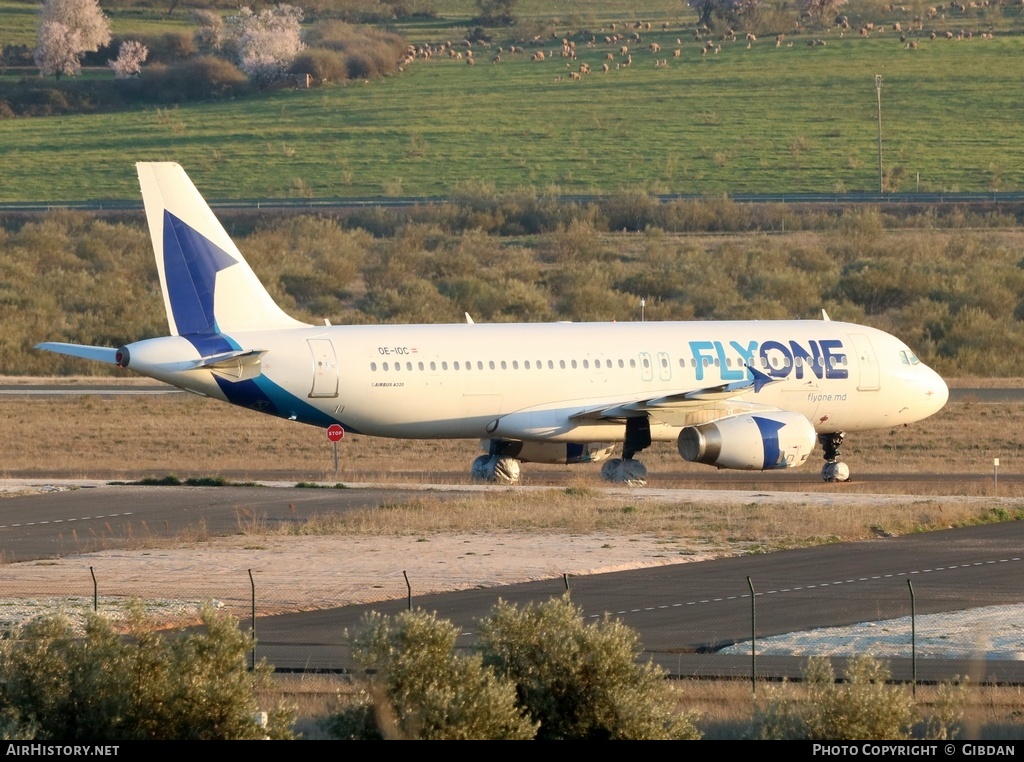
(867, 365)
(325, 368)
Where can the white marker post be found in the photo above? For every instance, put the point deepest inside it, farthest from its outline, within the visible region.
(335, 434)
(995, 474)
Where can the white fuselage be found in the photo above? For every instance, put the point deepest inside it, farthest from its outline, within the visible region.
(538, 381)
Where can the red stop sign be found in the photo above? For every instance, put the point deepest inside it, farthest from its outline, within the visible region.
(335, 433)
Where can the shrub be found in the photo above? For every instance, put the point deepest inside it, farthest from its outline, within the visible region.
(423, 689)
(862, 707)
(580, 681)
(322, 65)
(60, 684)
(196, 79)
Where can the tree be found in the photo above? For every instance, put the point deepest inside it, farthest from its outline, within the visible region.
(735, 12)
(496, 12)
(209, 32)
(580, 681)
(60, 684)
(130, 57)
(266, 42)
(423, 689)
(823, 11)
(67, 29)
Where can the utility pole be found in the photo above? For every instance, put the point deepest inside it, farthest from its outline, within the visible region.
(878, 90)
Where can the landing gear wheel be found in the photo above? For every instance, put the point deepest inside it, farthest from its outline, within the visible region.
(836, 471)
(622, 471)
(495, 469)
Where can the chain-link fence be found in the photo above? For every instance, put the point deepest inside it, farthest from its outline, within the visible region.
(928, 627)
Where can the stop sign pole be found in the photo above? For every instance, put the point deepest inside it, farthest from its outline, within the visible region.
(335, 434)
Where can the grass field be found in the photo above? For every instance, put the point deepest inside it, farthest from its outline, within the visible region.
(769, 119)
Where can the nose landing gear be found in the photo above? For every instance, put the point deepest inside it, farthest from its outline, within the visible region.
(834, 469)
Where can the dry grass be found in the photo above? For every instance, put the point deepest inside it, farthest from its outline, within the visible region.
(698, 526)
(724, 707)
(116, 437)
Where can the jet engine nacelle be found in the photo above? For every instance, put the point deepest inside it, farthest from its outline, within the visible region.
(751, 441)
(551, 452)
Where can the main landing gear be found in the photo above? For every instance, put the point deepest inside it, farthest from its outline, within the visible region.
(496, 469)
(626, 470)
(834, 469)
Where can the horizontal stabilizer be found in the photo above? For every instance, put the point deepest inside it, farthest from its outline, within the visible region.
(99, 354)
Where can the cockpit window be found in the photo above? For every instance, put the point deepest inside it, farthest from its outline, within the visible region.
(909, 358)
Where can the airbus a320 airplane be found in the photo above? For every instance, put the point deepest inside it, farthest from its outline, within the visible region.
(745, 394)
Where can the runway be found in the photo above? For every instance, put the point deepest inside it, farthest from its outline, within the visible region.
(684, 613)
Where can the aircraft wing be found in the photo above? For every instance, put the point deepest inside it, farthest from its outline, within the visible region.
(682, 404)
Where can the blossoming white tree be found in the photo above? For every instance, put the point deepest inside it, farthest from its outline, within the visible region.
(130, 57)
(267, 42)
(67, 29)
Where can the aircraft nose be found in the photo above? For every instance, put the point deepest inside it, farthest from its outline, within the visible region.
(935, 391)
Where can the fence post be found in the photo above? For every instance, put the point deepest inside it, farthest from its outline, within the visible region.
(95, 595)
(408, 591)
(753, 638)
(913, 638)
(252, 630)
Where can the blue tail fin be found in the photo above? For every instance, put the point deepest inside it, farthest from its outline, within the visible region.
(208, 286)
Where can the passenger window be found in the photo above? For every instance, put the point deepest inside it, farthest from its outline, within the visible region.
(373, 366)
(385, 366)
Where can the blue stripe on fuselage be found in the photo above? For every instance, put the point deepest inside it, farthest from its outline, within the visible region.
(264, 395)
(191, 264)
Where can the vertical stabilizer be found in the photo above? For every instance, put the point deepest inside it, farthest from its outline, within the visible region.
(208, 286)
